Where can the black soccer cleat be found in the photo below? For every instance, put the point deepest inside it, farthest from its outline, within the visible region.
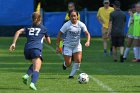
(115, 60)
(124, 59)
(64, 68)
(71, 77)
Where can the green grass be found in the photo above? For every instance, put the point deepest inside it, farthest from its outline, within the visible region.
(103, 72)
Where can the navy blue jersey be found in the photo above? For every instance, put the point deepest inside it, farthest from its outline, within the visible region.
(34, 35)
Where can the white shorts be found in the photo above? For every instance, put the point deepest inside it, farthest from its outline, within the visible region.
(130, 36)
(68, 51)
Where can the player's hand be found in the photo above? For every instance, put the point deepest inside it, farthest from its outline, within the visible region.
(87, 44)
(57, 50)
(12, 47)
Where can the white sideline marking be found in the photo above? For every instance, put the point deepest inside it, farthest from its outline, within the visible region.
(100, 83)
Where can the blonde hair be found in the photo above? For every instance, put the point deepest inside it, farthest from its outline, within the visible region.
(36, 17)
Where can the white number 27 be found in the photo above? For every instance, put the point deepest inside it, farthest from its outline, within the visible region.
(34, 31)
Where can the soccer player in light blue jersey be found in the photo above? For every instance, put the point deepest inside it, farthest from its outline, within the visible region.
(33, 47)
(72, 46)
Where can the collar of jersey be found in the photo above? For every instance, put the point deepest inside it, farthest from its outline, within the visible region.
(74, 24)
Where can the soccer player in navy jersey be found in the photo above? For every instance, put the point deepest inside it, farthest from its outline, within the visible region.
(33, 47)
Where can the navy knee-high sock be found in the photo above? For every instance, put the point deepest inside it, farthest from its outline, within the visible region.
(30, 70)
(35, 76)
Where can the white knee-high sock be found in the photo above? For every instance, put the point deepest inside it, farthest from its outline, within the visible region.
(134, 51)
(75, 67)
(139, 54)
(126, 52)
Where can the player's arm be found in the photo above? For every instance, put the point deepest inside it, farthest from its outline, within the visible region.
(87, 44)
(109, 28)
(110, 25)
(48, 39)
(13, 46)
(100, 20)
(99, 17)
(58, 41)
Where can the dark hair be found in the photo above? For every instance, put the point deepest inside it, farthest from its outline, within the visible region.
(36, 17)
(73, 11)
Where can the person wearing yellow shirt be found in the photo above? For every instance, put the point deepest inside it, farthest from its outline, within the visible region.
(71, 6)
(103, 16)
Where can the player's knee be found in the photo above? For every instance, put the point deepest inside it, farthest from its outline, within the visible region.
(68, 63)
(77, 61)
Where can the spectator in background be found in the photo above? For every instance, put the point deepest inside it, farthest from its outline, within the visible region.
(136, 32)
(71, 6)
(103, 17)
(116, 30)
(130, 36)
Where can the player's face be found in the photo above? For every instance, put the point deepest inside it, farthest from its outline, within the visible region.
(138, 8)
(74, 17)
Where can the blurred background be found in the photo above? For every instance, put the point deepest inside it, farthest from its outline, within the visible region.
(17, 13)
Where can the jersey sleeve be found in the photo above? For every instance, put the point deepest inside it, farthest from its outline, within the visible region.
(84, 28)
(64, 28)
(46, 32)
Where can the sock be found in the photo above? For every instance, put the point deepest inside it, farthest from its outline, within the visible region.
(139, 54)
(30, 70)
(75, 67)
(134, 51)
(35, 76)
(126, 52)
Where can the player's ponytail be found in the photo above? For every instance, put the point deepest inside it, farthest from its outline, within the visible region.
(36, 17)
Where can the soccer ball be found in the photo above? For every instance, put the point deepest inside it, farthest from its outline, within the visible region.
(83, 78)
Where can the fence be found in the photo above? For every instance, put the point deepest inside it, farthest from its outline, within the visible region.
(17, 13)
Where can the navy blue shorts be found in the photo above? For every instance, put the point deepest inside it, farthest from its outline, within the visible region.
(32, 54)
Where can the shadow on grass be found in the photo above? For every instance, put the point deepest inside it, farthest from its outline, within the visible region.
(2, 88)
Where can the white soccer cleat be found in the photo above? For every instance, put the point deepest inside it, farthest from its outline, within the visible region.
(32, 86)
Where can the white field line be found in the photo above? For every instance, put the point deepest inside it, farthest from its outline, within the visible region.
(100, 83)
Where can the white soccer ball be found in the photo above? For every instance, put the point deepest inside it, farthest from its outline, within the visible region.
(83, 78)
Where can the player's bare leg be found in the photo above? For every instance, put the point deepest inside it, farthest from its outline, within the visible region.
(104, 36)
(121, 54)
(115, 53)
(77, 61)
(67, 62)
(136, 44)
(36, 68)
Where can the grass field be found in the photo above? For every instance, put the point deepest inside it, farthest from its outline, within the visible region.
(105, 75)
